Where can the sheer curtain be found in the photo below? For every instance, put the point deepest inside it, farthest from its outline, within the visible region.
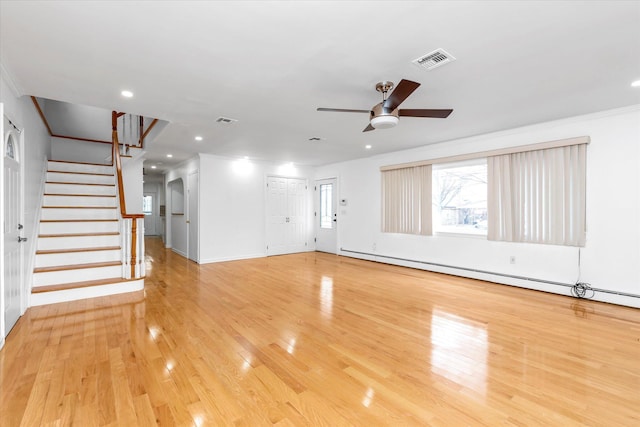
(406, 200)
(538, 196)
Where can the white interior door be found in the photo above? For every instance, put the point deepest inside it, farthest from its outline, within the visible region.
(276, 215)
(150, 211)
(296, 214)
(12, 231)
(286, 215)
(192, 221)
(326, 215)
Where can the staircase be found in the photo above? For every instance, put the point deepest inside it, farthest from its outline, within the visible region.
(79, 252)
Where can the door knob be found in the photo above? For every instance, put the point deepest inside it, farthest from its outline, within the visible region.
(21, 239)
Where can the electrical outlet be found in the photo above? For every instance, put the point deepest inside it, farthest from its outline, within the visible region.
(512, 259)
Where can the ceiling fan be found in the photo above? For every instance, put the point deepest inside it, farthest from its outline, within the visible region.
(385, 114)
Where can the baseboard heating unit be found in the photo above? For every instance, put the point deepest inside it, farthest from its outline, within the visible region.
(381, 258)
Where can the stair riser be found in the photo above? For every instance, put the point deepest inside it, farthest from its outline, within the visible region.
(71, 276)
(63, 213)
(81, 178)
(78, 227)
(75, 167)
(53, 260)
(80, 189)
(46, 243)
(79, 201)
(82, 293)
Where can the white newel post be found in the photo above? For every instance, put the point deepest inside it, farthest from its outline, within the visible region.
(126, 248)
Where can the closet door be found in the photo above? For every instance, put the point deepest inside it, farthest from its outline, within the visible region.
(286, 215)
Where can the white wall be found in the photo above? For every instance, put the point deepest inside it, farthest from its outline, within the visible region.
(36, 147)
(176, 232)
(80, 151)
(132, 180)
(609, 260)
(233, 206)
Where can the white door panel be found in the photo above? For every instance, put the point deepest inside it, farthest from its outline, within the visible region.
(12, 229)
(326, 217)
(286, 215)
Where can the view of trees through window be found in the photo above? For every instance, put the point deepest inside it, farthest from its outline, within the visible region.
(460, 198)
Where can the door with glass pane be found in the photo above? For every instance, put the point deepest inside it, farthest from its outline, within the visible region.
(326, 215)
(13, 230)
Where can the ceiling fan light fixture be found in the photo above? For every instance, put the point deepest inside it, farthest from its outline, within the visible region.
(384, 122)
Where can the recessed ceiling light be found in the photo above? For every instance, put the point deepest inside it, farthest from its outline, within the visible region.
(636, 83)
(126, 93)
(153, 167)
(368, 147)
(198, 138)
(169, 155)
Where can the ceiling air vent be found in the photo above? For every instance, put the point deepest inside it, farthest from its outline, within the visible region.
(226, 120)
(434, 59)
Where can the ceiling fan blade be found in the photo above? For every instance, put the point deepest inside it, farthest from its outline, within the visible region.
(400, 93)
(438, 114)
(368, 128)
(343, 110)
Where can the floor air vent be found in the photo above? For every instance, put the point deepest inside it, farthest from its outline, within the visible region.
(434, 59)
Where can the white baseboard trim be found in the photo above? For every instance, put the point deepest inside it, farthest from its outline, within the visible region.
(89, 292)
(526, 283)
(179, 252)
(232, 258)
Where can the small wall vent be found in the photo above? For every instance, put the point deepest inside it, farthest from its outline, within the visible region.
(226, 120)
(434, 59)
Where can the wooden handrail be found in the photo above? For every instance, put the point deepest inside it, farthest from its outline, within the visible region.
(123, 206)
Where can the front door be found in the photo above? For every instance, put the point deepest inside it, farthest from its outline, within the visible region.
(326, 216)
(12, 229)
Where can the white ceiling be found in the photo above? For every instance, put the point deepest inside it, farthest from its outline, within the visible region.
(271, 64)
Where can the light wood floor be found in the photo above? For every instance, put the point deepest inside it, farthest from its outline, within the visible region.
(315, 339)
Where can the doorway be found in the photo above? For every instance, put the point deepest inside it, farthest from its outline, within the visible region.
(13, 228)
(326, 215)
(150, 211)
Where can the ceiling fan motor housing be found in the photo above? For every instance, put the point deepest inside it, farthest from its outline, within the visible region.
(383, 118)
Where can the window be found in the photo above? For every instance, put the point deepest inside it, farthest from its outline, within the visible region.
(460, 197)
(147, 205)
(10, 150)
(326, 192)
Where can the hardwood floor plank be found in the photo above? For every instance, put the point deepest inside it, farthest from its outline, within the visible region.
(314, 339)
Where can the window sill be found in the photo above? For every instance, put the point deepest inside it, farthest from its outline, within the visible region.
(464, 235)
